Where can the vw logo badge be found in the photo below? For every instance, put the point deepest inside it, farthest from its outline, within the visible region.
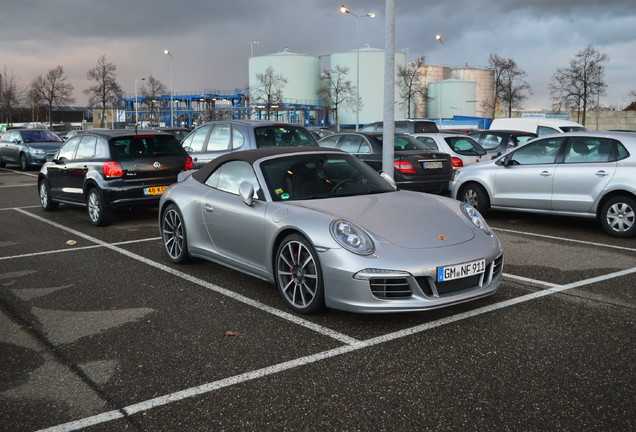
(156, 165)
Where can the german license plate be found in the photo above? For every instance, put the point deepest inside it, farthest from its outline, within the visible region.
(155, 190)
(432, 165)
(460, 270)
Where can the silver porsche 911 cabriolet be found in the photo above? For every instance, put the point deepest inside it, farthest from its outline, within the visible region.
(330, 231)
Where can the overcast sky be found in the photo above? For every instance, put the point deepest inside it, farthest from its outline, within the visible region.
(211, 39)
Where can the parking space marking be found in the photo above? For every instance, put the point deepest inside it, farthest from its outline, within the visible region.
(565, 239)
(74, 249)
(340, 337)
(302, 361)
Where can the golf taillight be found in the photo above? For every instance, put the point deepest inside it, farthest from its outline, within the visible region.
(189, 165)
(112, 170)
(404, 167)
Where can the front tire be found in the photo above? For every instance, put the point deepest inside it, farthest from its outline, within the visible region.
(23, 162)
(618, 217)
(45, 197)
(299, 276)
(476, 196)
(173, 235)
(98, 214)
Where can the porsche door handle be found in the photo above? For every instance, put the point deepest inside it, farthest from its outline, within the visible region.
(601, 173)
(545, 174)
(208, 208)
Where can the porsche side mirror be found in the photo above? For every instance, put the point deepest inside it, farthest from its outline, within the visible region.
(246, 191)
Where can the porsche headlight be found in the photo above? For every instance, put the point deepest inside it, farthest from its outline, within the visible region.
(351, 237)
(475, 217)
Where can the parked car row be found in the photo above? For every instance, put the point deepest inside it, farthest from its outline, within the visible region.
(582, 182)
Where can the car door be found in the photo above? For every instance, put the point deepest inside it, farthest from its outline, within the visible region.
(12, 146)
(525, 177)
(57, 172)
(587, 168)
(195, 144)
(235, 229)
(78, 166)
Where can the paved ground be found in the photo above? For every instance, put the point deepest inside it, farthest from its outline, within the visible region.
(99, 332)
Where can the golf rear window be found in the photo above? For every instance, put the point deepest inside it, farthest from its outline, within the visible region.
(139, 146)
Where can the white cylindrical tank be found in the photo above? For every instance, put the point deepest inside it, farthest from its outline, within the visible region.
(302, 72)
(485, 90)
(371, 88)
(429, 74)
(451, 97)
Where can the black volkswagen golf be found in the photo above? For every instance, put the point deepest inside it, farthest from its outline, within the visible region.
(107, 169)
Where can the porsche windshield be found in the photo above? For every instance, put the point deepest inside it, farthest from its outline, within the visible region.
(311, 176)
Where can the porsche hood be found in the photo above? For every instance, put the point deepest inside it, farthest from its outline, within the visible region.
(399, 217)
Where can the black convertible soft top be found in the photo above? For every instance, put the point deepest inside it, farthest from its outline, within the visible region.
(250, 156)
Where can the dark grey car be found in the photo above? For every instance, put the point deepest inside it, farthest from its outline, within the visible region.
(215, 138)
(28, 147)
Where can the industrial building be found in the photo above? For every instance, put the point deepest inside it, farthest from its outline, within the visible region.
(463, 92)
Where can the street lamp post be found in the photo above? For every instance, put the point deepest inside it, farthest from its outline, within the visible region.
(345, 10)
(137, 101)
(441, 86)
(167, 52)
(252, 47)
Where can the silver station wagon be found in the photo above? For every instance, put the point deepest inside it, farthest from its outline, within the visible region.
(587, 174)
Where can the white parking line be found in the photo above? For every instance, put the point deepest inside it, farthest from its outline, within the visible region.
(302, 361)
(350, 344)
(258, 305)
(565, 239)
(74, 249)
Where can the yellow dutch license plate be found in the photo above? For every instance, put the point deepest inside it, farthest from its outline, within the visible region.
(156, 190)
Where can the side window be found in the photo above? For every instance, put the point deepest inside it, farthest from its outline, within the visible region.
(238, 138)
(582, 150)
(489, 141)
(402, 127)
(195, 142)
(13, 136)
(331, 142)
(536, 153)
(67, 150)
(220, 137)
(351, 143)
(86, 149)
(229, 176)
(544, 130)
(365, 147)
(428, 142)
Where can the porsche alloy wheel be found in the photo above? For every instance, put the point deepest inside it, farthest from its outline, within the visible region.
(173, 235)
(298, 275)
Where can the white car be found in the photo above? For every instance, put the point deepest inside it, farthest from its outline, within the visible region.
(586, 174)
(463, 149)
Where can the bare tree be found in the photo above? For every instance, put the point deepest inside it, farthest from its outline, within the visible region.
(106, 92)
(411, 84)
(581, 84)
(151, 90)
(54, 90)
(268, 89)
(510, 83)
(11, 96)
(336, 90)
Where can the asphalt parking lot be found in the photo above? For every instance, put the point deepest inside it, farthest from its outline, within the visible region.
(100, 332)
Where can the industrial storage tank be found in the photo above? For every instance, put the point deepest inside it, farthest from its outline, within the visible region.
(371, 88)
(302, 72)
(451, 97)
(429, 74)
(485, 91)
